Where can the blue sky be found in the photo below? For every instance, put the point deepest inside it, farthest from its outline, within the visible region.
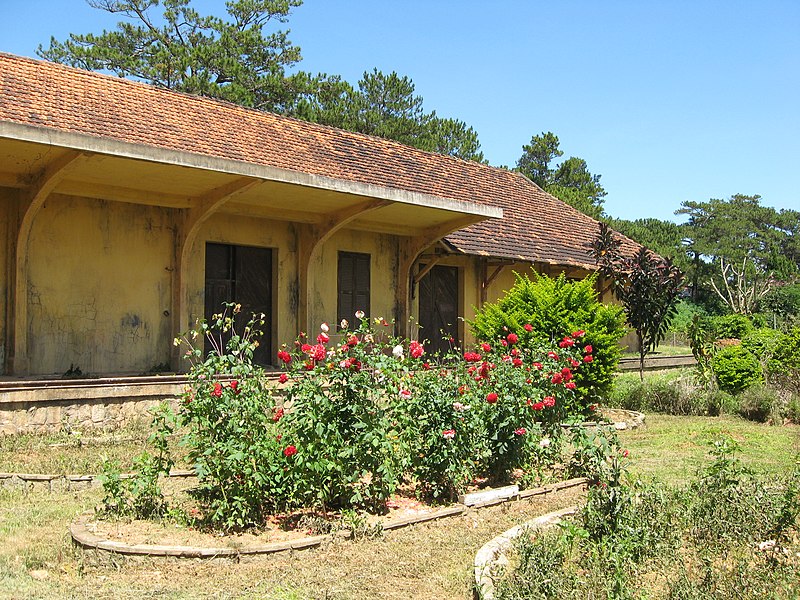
(667, 100)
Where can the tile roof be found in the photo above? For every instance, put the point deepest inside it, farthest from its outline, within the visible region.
(536, 227)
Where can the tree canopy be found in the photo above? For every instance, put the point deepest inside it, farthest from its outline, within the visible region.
(569, 180)
(246, 60)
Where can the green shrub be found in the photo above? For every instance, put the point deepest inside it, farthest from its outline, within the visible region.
(733, 326)
(784, 367)
(672, 394)
(735, 369)
(762, 342)
(781, 306)
(686, 311)
(759, 403)
(541, 310)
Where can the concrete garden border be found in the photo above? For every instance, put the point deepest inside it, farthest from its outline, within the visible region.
(86, 539)
(492, 554)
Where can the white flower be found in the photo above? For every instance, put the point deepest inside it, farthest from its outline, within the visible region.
(544, 443)
(359, 314)
(397, 351)
(344, 324)
(458, 407)
(325, 327)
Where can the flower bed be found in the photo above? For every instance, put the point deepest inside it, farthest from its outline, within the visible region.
(359, 413)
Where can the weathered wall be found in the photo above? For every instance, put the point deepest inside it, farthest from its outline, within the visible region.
(100, 286)
(8, 199)
(382, 249)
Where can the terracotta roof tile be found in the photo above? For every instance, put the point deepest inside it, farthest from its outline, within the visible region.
(536, 226)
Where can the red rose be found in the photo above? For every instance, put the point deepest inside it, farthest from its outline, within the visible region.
(318, 352)
(588, 358)
(520, 431)
(415, 349)
(549, 401)
(323, 338)
(517, 362)
(491, 397)
(283, 378)
(538, 406)
(587, 349)
(217, 392)
(289, 451)
(570, 385)
(528, 327)
(552, 355)
(486, 347)
(512, 338)
(557, 378)
(579, 333)
(284, 356)
(306, 348)
(277, 416)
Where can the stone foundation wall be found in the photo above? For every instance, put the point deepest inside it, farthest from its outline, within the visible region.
(93, 405)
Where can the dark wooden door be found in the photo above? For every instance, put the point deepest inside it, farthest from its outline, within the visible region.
(438, 308)
(243, 275)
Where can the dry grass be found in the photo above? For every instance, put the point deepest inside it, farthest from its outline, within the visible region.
(424, 561)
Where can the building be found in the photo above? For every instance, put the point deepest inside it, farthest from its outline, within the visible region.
(129, 211)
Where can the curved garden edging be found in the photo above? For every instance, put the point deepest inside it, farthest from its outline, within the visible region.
(493, 553)
(83, 537)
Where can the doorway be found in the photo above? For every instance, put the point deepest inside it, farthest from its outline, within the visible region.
(243, 275)
(438, 308)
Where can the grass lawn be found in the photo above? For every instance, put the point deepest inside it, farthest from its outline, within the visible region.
(674, 448)
(37, 559)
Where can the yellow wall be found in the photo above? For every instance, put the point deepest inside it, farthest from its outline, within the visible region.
(8, 199)
(383, 274)
(99, 294)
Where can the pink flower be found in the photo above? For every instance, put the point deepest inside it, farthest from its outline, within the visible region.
(491, 397)
(520, 431)
(549, 401)
(404, 394)
(283, 378)
(415, 349)
(285, 357)
(486, 347)
(217, 391)
(318, 352)
(289, 451)
(449, 434)
(512, 338)
(528, 327)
